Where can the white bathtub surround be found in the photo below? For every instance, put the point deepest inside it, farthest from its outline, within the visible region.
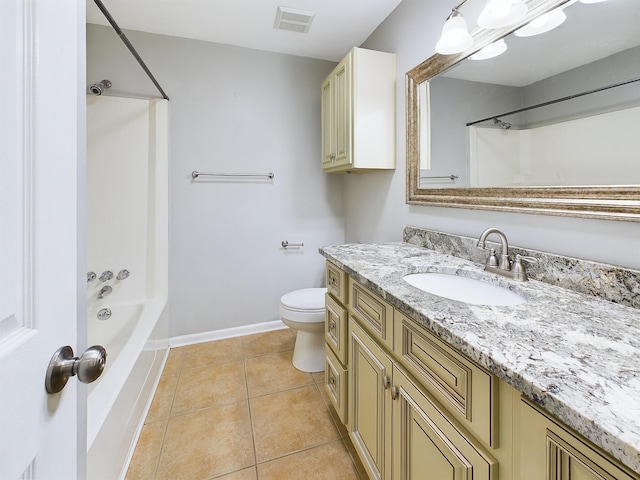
(127, 211)
(573, 354)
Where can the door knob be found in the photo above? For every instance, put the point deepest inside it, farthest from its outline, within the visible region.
(64, 365)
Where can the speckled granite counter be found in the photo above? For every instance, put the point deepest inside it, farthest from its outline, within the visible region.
(575, 355)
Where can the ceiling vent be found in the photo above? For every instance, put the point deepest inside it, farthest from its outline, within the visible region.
(293, 20)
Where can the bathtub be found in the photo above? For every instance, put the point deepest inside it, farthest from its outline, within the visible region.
(136, 344)
(127, 230)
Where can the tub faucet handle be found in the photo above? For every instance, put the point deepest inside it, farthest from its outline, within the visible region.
(91, 276)
(106, 275)
(104, 291)
(122, 274)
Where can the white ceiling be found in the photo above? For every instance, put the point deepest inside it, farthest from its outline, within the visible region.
(337, 26)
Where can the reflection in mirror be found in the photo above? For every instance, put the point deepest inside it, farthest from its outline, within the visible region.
(586, 139)
(549, 126)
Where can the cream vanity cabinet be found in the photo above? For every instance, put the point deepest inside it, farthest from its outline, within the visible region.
(550, 451)
(358, 113)
(416, 408)
(399, 430)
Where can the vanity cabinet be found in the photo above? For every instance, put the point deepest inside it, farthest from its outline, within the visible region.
(335, 335)
(398, 429)
(417, 408)
(550, 451)
(358, 113)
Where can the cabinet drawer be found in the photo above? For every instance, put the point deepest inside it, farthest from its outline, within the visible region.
(548, 450)
(375, 315)
(461, 386)
(335, 383)
(337, 283)
(335, 328)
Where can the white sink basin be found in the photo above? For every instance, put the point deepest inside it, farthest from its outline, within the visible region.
(463, 289)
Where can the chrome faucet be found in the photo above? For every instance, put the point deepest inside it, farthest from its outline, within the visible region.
(504, 263)
(503, 266)
(104, 291)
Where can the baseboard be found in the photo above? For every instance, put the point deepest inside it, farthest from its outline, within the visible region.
(183, 340)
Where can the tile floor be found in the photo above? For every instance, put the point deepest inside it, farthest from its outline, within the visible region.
(236, 409)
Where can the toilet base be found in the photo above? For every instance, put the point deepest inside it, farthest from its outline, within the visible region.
(308, 353)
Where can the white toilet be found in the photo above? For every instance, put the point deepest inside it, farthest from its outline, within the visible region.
(303, 310)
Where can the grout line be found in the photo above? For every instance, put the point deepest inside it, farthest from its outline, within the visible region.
(246, 389)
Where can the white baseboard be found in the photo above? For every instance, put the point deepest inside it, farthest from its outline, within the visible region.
(183, 340)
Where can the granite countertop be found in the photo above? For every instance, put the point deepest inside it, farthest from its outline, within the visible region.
(576, 356)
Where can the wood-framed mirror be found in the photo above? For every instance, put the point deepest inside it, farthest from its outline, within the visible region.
(452, 160)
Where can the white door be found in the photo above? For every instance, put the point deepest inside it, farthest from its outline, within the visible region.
(42, 102)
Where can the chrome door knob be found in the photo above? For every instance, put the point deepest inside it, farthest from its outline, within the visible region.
(64, 365)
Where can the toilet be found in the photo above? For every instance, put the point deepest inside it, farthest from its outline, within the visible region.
(303, 310)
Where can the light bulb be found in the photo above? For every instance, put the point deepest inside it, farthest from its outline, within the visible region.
(502, 13)
(490, 51)
(455, 36)
(542, 24)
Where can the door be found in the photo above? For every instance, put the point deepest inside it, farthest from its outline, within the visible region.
(369, 409)
(41, 246)
(427, 443)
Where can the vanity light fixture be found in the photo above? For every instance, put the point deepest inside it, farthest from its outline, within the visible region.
(455, 37)
(542, 24)
(502, 13)
(492, 50)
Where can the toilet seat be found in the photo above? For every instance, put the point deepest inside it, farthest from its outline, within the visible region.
(304, 306)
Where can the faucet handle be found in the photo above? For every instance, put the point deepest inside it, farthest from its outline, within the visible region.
(492, 261)
(519, 271)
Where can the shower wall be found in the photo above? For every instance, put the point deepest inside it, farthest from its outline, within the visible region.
(127, 205)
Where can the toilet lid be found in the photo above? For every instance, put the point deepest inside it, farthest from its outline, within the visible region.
(304, 300)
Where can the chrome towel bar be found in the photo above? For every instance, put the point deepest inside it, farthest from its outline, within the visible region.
(443, 177)
(196, 174)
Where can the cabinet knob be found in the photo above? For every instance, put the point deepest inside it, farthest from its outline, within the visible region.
(394, 393)
(386, 381)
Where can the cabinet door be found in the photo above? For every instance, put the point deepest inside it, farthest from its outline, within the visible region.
(328, 130)
(427, 443)
(369, 413)
(551, 452)
(343, 113)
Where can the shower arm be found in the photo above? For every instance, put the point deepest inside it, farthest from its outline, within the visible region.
(128, 44)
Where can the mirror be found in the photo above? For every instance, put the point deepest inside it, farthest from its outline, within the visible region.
(476, 137)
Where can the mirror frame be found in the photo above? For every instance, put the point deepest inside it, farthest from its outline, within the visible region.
(603, 202)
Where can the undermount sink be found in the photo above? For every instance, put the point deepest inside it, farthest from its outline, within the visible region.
(463, 289)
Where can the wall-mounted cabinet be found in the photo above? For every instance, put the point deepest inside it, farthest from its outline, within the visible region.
(358, 113)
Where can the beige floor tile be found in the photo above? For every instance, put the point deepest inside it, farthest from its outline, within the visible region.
(174, 362)
(211, 353)
(246, 474)
(318, 377)
(274, 373)
(326, 462)
(207, 443)
(204, 387)
(267, 342)
(348, 445)
(290, 421)
(163, 399)
(145, 457)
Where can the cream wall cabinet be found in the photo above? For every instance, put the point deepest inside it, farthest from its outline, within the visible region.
(358, 113)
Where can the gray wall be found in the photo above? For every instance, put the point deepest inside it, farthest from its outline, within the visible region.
(236, 110)
(375, 203)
